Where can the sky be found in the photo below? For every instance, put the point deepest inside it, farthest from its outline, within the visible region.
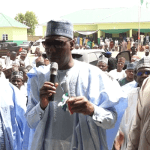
(46, 10)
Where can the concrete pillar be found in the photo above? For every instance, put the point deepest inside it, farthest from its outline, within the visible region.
(130, 33)
(99, 35)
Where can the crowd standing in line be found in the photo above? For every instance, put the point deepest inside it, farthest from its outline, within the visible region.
(100, 107)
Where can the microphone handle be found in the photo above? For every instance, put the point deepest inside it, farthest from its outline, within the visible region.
(52, 79)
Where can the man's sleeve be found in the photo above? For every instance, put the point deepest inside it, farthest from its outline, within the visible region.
(34, 112)
(134, 134)
(105, 94)
(105, 118)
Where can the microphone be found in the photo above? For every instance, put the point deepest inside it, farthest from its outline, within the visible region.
(53, 74)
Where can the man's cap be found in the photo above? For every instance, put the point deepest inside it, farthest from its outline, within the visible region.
(13, 53)
(104, 59)
(143, 63)
(60, 27)
(95, 45)
(87, 47)
(108, 53)
(100, 45)
(146, 50)
(17, 75)
(130, 66)
(23, 52)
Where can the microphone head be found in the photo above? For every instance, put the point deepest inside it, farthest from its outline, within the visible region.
(54, 68)
(54, 65)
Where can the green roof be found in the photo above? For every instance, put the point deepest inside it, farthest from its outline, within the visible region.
(6, 21)
(108, 15)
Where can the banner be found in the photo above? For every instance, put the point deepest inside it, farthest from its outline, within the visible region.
(86, 32)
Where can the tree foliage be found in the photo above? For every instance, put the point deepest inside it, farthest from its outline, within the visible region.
(29, 19)
(20, 17)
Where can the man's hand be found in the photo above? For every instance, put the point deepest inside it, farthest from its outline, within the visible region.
(119, 141)
(46, 91)
(80, 105)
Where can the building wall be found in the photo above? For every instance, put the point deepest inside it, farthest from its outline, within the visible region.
(103, 26)
(44, 30)
(33, 38)
(85, 27)
(17, 35)
(144, 25)
(8, 31)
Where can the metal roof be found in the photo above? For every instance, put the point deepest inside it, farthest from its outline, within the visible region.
(6, 21)
(108, 15)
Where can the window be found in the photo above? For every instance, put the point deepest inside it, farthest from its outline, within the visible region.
(5, 37)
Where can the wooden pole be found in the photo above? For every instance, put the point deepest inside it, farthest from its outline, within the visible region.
(139, 16)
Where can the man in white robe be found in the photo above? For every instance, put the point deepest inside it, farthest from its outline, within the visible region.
(92, 101)
(25, 58)
(119, 73)
(8, 61)
(142, 66)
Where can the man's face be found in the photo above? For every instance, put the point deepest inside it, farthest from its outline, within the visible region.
(130, 74)
(23, 57)
(22, 64)
(17, 82)
(58, 49)
(76, 47)
(8, 54)
(15, 68)
(12, 57)
(103, 66)
(46, 62)
(142, 74)
(100, 47)
(106, 46)
(25, 77)
(120, 64)
(146, 53)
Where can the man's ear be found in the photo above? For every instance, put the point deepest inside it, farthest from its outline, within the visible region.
(72, 43)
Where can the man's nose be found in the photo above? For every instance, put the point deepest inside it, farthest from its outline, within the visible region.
(52, 49)
(144, 75)
(131, 72)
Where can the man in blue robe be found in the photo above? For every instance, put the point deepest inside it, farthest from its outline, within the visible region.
(94, 101)
(12, 120)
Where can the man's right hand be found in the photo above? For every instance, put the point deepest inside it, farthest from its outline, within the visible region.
(46, 91)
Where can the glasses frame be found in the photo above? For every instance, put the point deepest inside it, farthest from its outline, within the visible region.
(55, 46)
(143, 73)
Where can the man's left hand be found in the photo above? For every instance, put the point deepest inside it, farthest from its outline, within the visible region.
(81, 105)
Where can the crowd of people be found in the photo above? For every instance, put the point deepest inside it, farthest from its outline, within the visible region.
(103, 107)
(123, 44)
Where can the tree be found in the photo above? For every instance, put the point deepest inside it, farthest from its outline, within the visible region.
(20, 17)
(29, 19)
